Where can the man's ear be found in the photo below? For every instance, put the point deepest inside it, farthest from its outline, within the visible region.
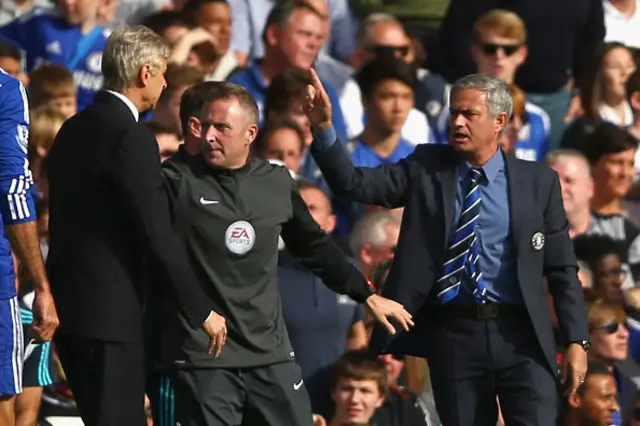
(250, 134)
(574, 400)
(144, 75)
(502, 121)
(271, 35)
(194, 126)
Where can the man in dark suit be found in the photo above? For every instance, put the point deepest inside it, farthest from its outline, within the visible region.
(108, 218)
(479, 232)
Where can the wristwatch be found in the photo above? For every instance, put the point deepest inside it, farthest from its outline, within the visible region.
(585, 344)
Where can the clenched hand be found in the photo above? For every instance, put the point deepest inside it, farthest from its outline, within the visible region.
(45, 317)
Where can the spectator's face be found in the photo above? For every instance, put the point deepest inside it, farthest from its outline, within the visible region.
(471, 126)
(301, 38)
(296, 113)
(168, 144)
(394, 367)
(216, 18)
(498, 56)
(319, 208)
(356, 400)
(389, 105)
(10, 65)
(385, 39)
(284, 144)
(597, 403)
(617, 67)
(322, 8)
(228, 132)
(174, 33)
(371, 255)
(67, 105)
(610, 341)
(575, 183)
(77, 12)
(169, 109)
(613, 174)
(609, 278)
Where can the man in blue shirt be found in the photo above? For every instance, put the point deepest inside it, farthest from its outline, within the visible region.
(480, 231)
(293, 37)
(387, 86)
(18, 232)
(70, 38)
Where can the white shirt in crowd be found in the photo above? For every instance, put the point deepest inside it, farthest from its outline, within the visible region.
(621, 28)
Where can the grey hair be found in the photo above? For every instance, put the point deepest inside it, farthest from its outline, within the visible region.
(127, 50)
(371, 230)
(562, 154)
(364, 30)
(498, 94)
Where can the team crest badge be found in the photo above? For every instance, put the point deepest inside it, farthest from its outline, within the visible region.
(537, 241)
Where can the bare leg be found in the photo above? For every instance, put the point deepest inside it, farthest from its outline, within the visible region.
(7, 412)
(28, 406)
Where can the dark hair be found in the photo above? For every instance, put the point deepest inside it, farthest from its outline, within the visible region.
(192, 7)
(9, 50)
(594, 368)
(227, 90)
(280, 14)
(50, 81)
(592, 248)
(607, 138)
(192, 101)
(285, 88)
(178, 76)
(162, 128)
(383, 69)
(272, 126)
(160, 21)
(633, 84)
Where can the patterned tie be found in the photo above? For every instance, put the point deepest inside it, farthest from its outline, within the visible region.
(463, 255)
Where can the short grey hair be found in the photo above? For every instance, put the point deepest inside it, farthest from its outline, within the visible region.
(364, 30)
(371, 230)
(557, 155)
(127, 50)
(497, 94)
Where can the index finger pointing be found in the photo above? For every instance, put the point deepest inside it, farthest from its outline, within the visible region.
(315, 79)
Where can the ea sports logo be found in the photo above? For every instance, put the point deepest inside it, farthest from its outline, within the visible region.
(240, 237)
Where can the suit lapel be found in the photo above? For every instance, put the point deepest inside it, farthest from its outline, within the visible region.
(517, 206)
(447, 175)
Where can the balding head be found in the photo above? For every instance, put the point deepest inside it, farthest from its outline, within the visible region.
(575, 180)
(380, 34)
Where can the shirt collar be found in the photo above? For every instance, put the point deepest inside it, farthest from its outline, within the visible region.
(127, 102)
(490, 168)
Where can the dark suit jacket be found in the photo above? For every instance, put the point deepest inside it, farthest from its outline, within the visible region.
(425, 184)
(108, 213)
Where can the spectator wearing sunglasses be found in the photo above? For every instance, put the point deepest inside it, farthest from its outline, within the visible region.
(380, 36)
(609, 338)
(499, 49)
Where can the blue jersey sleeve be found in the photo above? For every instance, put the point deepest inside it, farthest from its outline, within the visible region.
(16, 199)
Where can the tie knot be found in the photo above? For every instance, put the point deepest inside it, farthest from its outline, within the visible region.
(475, 174)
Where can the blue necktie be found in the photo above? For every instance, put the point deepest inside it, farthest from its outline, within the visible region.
(463, 256)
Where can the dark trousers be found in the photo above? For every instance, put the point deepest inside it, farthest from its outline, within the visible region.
(107, 379)
(474, 361)
(272, 395)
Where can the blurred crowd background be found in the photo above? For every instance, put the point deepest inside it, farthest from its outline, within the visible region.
(573, 69)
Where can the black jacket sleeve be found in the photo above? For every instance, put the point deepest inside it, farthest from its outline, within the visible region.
(590, 36)
(316, 250)
(385, 186)
(560, 268)
(138, 183)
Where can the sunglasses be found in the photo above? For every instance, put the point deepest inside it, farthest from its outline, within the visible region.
(492, 48)
(611, 327)
(387, 51)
